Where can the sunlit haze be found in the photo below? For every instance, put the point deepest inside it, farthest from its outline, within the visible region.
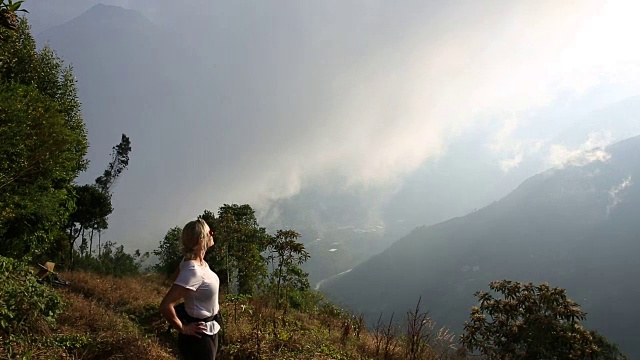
(267, 99)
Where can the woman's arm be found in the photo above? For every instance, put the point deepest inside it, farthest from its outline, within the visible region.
(175, 293)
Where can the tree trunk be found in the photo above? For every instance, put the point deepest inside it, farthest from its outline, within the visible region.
(91, 243)
(278, 287)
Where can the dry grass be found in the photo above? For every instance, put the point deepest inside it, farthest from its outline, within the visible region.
(111, 334)
(131, 294)
(118, 318)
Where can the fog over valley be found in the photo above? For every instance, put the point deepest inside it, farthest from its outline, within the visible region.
(274, 99)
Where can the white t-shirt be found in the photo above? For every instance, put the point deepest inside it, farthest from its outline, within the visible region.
(202, 301)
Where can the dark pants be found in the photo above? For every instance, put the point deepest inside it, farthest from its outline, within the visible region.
(192, 348)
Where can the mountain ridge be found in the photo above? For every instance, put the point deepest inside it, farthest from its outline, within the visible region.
(558, 226)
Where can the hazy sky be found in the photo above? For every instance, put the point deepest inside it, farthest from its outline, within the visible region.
(283, 95)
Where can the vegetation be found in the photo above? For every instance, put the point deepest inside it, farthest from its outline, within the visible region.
(109, 317)
(26, 307)
(8, 14)
(287, 279)
(42, 144)
(532, 322)
(169, 252)
(240, 242)
(93, 204)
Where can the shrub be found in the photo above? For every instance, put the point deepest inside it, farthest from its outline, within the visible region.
(113, 260)
(169, 253)
(25, 305)
(532, 322)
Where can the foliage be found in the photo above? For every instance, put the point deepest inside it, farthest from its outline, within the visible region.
(26, 307)
(8, 14)
(91, 212)
(42, 144)
(239, 243)
(286, 255)
(119, 162)
(531, 322)
(108, 318)
(169, 253)
(93, 202)
(113, 260)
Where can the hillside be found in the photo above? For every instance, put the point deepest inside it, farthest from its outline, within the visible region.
(106, 318)
(573, 227)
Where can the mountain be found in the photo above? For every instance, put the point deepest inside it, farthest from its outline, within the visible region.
(120, 60)
(137, 78)
(618, 121)
(466, 177)
(574, 227)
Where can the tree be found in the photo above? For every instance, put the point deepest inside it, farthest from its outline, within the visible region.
(240, 242)
(119, 162)
(105, 182)
(532, 322)
(42, 143)
(286, 255)
(91, 212)
(170, 252)
(113, 260)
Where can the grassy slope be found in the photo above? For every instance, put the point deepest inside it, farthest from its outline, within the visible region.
(108, 318)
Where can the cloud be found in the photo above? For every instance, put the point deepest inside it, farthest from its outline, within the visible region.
(275, 97)
(590, 151)
(508, 164)
(386, 109)
(614, 198)
(512, 147)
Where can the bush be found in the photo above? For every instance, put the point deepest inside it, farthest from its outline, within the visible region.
(169, 253)
(112, 260)
(25, 305)
(532, 322)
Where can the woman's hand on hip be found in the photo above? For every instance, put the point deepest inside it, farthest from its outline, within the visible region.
(194, 329)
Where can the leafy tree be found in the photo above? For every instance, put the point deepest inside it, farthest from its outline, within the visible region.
(286, 255)
(169, 253)
(240, 242)
(42, 143)
(532, 322)
(113, 260)
(105, 182)
(92, 209)
(119, 162)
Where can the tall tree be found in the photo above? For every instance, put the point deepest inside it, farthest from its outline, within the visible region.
(240, 242)
(42, 143)
(119, 162)
(91, 212)
(105, 182)
(286, 255)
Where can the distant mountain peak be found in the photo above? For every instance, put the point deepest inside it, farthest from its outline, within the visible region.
(107, 16)
(103, 9)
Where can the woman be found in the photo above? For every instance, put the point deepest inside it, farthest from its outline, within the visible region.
(198, 286)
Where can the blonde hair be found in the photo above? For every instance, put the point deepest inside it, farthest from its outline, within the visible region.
(194, 238)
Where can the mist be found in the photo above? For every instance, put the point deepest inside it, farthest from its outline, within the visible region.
(266, 100)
